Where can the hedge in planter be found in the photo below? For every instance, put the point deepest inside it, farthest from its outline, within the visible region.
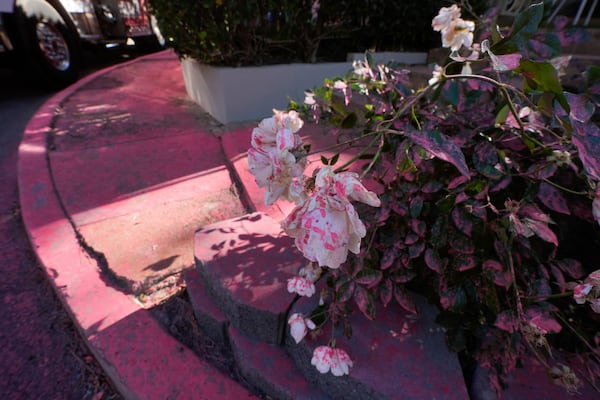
(258, 32)
(490, 204)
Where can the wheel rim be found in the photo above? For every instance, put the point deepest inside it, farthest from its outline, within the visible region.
(53, 45)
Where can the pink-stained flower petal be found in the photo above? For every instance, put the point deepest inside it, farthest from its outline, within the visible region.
(276, 157)
(288, 119)
(460, 34)
(260, 166)
(301, 286)
(327, 359)
(311, 272)
(594, 278)
(326, 226)
(436, 75)
(342, 363)
(362, 69)
(505, 62)
(285, 139)
(299, 326)
(348, 184)
(446, 16)
(581, 291)
(264, 136)
(322, 358)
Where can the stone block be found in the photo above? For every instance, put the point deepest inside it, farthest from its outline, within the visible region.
(244, 264)
(396, 356)
(271, 370)
(211, 320)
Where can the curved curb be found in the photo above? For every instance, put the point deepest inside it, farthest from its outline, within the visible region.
(139, 357)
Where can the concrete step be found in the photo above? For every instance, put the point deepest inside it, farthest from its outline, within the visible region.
(266, 366)
(271, 369)
(245, 263)
(396, 356)
(529, 382)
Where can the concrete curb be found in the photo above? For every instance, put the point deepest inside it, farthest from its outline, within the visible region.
(140, 358)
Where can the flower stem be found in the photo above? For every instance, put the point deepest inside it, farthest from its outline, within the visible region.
(356, 157)
(375, 157)
(564, 188)
(335, 146)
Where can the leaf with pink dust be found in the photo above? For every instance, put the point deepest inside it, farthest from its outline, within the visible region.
(364, 301)
(442, 147)
(434, 261)
(405, 299)
(387, 290)
(586, 135)
(501, 276)
(462, 220)
(571, 267)
(543, 320)
(507, 321)
(553, 198)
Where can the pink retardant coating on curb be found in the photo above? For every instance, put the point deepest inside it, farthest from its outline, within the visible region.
(140, 358)
(244, 264)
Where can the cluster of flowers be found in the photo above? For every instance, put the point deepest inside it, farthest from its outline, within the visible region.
(458, 34)
(589, 291)
(324, 223)
(455, 31)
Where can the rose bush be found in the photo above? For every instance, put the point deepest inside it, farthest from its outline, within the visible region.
(490, 203)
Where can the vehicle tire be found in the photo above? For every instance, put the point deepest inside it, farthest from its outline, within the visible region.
(49, 43)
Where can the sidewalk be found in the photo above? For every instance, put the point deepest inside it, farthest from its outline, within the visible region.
(115, 175)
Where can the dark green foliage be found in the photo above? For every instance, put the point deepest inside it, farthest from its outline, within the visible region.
(256, 32)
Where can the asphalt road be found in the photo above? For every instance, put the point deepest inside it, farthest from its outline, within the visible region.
(41, 353)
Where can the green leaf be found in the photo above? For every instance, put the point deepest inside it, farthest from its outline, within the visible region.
(441, 146)
(334, 159)
(541, 76)
(592, 74)
(349, 121)
(451, 92)
(369, 277)
(324, 160)
(525, 25)
(387, 290)
(404, 298)
(345, 291)
(369, 58)
(502, 115)
(319, 315)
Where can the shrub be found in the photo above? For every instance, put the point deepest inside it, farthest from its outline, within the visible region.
(255, 32)
(490, 203)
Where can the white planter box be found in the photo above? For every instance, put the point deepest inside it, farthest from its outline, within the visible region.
(407, 58)
(250, 93)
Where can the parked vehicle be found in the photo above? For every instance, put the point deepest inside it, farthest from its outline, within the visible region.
(46, 37)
